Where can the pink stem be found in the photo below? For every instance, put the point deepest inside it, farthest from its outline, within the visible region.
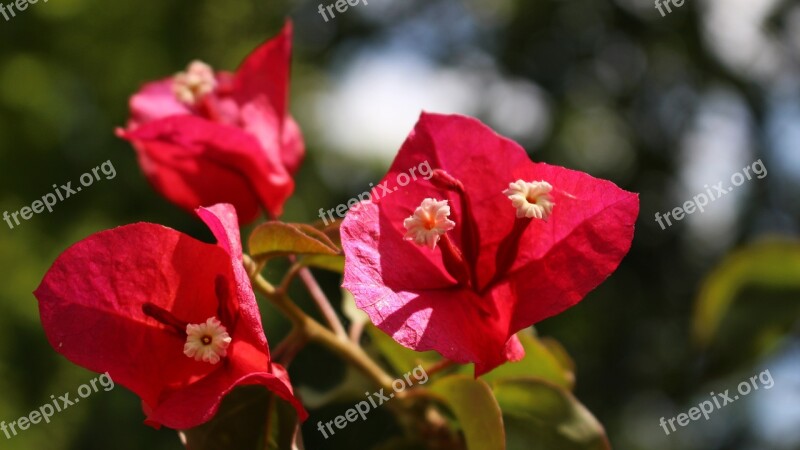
(323, 303)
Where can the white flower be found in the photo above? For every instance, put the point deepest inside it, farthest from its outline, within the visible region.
(428, 222)
(197, 81)
(531, 199)
(207, 341)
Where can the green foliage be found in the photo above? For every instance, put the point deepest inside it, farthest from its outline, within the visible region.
(332, 263)
(473, 405)
(280, 239)
(771, 265)
(538, 410)
(545, 359)
(246, 417)
(748, 305)
(401, 359)
(539, 415)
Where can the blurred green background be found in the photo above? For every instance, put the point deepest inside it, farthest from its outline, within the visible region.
(660, 105)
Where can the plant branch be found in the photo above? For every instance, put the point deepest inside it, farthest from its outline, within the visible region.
(323, 303)
(315, 332)
(288, 348)
(289, 277)
(439, 366)
(356, 330)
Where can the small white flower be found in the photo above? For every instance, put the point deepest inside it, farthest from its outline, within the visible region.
(197, 81)
(207, 341)
(531, 199)
(428, 222)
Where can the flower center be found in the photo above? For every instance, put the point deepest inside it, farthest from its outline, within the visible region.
(428, 223)
(197, 81)
(207, 341)
(427, 226)
(531, 199)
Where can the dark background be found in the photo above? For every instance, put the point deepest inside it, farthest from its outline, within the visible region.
(660, 105)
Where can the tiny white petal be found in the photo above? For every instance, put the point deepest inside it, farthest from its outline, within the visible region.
(207, 341)
(197, 81)
(531, 199)
(428, 223)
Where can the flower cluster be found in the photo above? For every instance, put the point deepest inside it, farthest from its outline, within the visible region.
(457, 262)
(173, 319)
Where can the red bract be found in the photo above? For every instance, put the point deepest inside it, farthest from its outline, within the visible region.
(529, 241)
(132, 301)
(205, 137)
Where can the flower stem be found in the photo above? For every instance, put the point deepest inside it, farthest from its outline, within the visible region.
(315, 332)
(439, 366)
(288, 348)
(356, 330)
(289, 276)
(323, 303)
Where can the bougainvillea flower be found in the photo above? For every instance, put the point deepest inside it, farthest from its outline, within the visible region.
(171, 318)
(204, 137)
(490, 244)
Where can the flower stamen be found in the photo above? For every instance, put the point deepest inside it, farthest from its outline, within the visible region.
(196, 82)
(531, 199)
(207, 341)
(428, 223)
(164, 317)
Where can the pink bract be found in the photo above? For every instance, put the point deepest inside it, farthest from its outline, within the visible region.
(236, 144)
(516, 272)
(108, 302)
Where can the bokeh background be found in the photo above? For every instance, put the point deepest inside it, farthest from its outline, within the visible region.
(660, 105)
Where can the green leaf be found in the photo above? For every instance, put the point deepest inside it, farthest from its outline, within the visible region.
(350, 390)
(401, 359)
(333, 263)
(540, 415)
(332, 230)
(476, 410)
(773, 265)
(325, 235)
(240, 423)
(560, 354)
(544, 359)
(278, 239)
(284, 428)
